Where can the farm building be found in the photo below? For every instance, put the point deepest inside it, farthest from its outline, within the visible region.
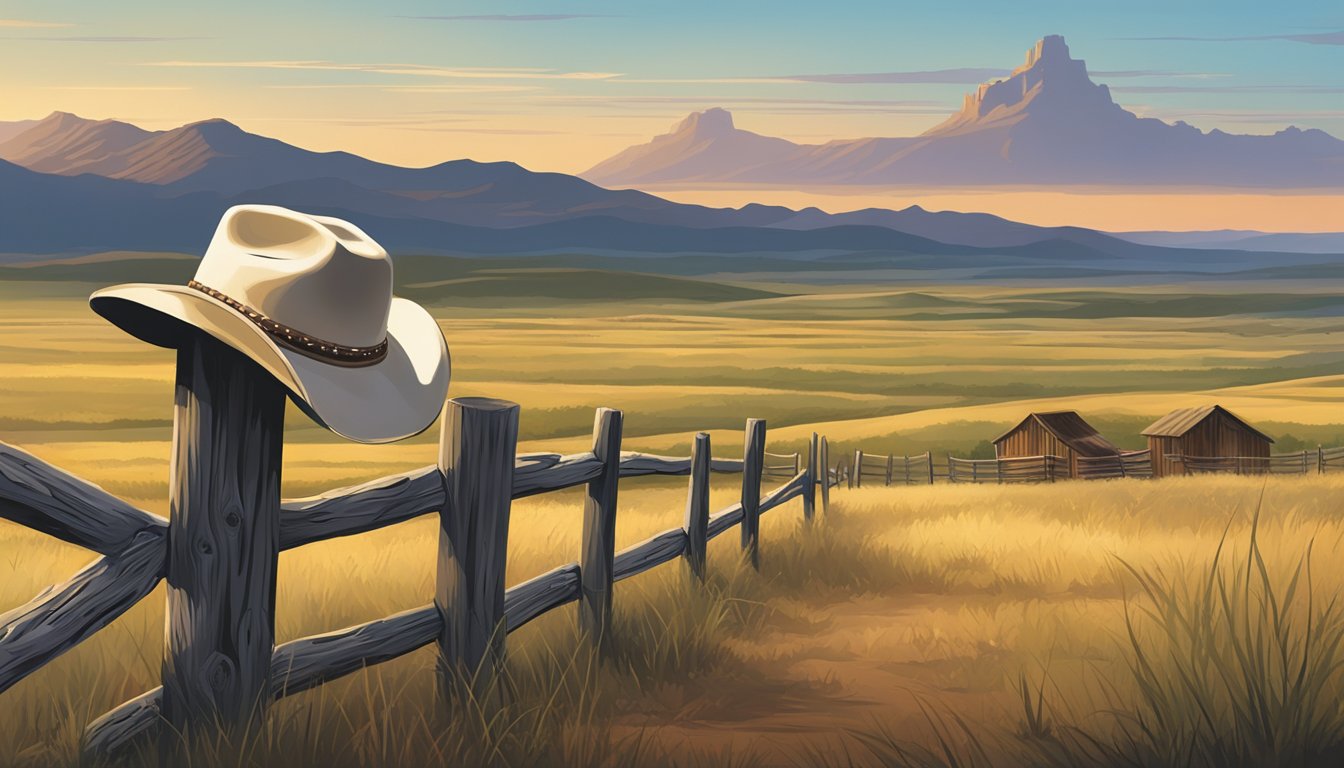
(1059, 433)
(1209, 431)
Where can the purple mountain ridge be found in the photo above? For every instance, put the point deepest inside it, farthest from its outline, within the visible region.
(73, 184)
(1047, 123)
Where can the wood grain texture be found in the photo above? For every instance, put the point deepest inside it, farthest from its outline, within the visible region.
(653, 551)
(310, 661)
(697, 507)
(810, 492)
(361, 508)
(827, 480)
(223, 540)
(723, 520)
(295, 666)
(64, 615)
(532, 598)
(638, 464)
(545, 472)
(476, 456)
(753, 461)
(599, 529)
(37, 495)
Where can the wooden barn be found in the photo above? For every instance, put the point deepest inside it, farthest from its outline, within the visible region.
(1209, 431)
(1058, 433)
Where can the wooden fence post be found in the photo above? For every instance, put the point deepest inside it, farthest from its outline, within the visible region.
(697, 506)
(930, 455)
(753, 460)
(890, 466)
(858, 469)
(223, 543)
(825, 460)
(477, 445)
(599, 529)
(810, 489)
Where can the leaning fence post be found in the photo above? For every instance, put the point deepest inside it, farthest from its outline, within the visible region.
(477, 443)
(810, 488)
(825, 461)
(223, 542)
(599, 529)
(858, 469)
(753, 459)
(697, 506)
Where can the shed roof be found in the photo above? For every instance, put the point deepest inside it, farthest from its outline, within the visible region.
(1072, 430)
(1182, 420)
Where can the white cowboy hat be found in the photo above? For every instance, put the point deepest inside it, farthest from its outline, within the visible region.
(309, 298)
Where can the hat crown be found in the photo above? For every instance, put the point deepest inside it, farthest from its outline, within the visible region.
(318, 275)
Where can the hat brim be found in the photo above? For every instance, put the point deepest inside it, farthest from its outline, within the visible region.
(397, 397)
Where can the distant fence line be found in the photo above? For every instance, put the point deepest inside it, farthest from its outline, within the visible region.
(219, 549)
(868, 469)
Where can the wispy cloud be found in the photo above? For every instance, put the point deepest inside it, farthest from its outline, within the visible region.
(103, 39)
(1302, 89)
(1154, 73)
(515, 17)
(414, 70)
(30, 24)
(394, 88)
(120, 87)
(757, 104)
(1311, 38)
(961, 76)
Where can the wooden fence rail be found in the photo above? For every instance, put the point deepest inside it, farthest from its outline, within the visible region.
(1030, 469)
(471, 488)
(893, 470)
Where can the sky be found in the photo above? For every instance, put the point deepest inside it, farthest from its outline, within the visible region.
(560, 86)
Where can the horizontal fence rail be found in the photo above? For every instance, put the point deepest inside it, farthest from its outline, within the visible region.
(133, 546)
(1126, 464)
(1029, 469)
(1300, 463)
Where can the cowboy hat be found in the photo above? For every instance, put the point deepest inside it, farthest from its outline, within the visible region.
(309, 299)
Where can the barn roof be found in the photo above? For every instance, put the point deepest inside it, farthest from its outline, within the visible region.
(1071, 430)
(1182, 420)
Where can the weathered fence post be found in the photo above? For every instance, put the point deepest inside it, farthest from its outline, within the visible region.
(825, 461)
(697, 506)
(477, 445)
(599, 529)
(929, 454)
(223, 542)
(810, 489)
(1320, 460)
(890, 466)
(858, 469)
(753, 460)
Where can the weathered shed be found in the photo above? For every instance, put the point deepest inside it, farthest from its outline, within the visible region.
(1058, 433)
(1208, 431)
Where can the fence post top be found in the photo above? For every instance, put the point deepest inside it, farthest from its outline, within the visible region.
(482, 403)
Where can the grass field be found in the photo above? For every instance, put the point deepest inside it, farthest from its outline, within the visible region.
(991, 619)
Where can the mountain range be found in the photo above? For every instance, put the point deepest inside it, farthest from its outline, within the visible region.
(1047, 123)
(74, 184)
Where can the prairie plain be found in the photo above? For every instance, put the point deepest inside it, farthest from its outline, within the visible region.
(873, 638)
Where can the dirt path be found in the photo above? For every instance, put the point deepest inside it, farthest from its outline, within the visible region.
(815, 673)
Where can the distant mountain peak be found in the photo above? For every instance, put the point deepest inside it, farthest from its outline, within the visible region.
(1049, 80)
(715, 121)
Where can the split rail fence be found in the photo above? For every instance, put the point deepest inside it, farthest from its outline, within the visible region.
(871, 469)
(218, 550)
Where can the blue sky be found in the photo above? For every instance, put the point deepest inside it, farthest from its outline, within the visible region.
(561, 85)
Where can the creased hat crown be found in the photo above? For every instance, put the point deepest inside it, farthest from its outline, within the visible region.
(321, 276)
